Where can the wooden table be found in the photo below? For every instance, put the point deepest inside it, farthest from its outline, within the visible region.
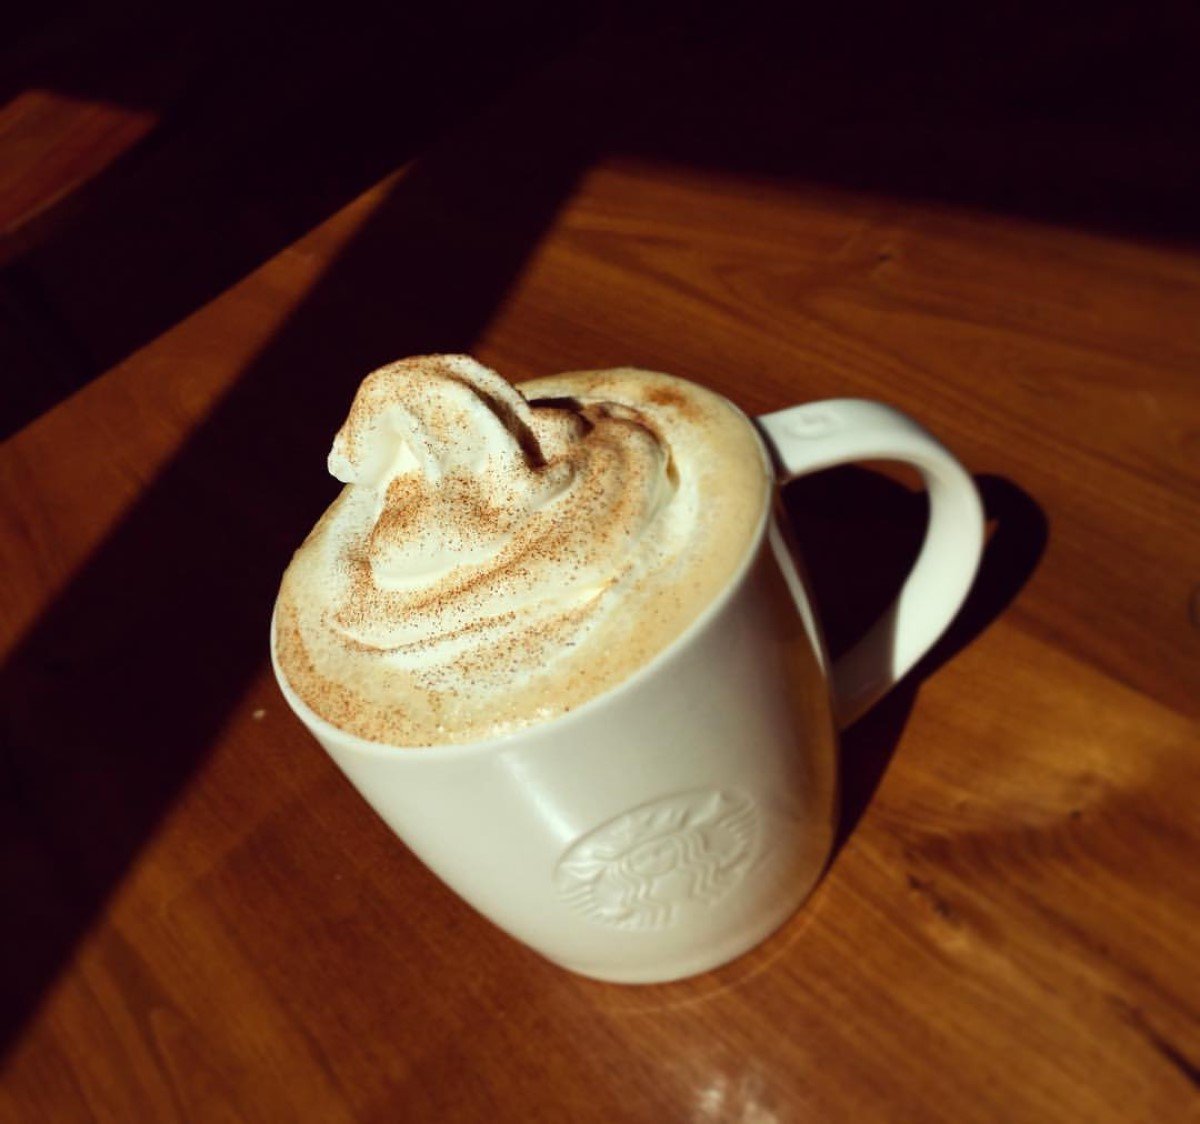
(207, 923)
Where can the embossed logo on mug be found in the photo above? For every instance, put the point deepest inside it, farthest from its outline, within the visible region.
(635, 871)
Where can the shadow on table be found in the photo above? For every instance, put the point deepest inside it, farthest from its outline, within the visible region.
(117, 693)
(860, 532)
(270, 117)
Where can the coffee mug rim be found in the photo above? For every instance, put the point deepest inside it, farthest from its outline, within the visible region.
(322, 728)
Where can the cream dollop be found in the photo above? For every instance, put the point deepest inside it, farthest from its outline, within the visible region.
(481, 540)
(472, 516)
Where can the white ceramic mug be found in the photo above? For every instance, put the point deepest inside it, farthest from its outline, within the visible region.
(674, 822)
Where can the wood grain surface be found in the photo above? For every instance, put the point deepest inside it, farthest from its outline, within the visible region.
(207, 923)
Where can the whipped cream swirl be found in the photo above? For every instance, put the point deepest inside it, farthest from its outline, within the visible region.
(481, 541)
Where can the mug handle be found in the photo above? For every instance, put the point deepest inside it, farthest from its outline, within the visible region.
(813, 437)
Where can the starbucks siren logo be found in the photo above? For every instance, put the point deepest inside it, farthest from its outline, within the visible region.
(635, 871)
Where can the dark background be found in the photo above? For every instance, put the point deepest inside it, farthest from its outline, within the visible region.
(272, 116)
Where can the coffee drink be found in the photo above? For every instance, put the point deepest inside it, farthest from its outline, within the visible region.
(500, 556)
(554, 636)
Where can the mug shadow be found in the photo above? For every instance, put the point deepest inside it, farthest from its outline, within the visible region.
(856, 564)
